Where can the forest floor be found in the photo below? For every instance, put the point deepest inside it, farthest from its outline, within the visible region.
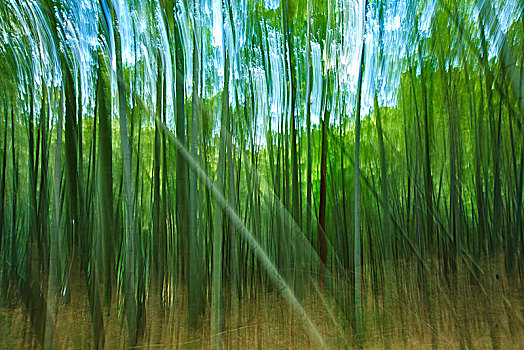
(265, 321)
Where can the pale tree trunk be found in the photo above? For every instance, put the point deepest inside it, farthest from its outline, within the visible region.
(131, 306)
(195, 281)
(218, 227)
(357, 244)
(52, 284)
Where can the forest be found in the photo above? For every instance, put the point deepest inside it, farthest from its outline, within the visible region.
(261, 174)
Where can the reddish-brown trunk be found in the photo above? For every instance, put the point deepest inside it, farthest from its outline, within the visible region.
(322, 243)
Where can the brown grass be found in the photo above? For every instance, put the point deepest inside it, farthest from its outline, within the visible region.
(267, 322)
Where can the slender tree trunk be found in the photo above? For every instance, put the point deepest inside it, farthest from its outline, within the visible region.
(357, 245)
(164, 212)
(3, 225)
(105, 176)
(43, 201)
(322, 241)
(217, 230)
(233, 248)
(308, 124)
(182, 208)
(53, 279)
(387, 232)
(133, 310)
(195, 282)
(33, 241)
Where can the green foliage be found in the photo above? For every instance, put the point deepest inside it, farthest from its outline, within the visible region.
(221, 204)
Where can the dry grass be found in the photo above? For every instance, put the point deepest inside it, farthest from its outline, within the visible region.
(267, 322)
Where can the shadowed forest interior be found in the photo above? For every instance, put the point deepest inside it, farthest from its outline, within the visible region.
(261, 174)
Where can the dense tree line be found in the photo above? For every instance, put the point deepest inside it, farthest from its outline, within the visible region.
(367, 153)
